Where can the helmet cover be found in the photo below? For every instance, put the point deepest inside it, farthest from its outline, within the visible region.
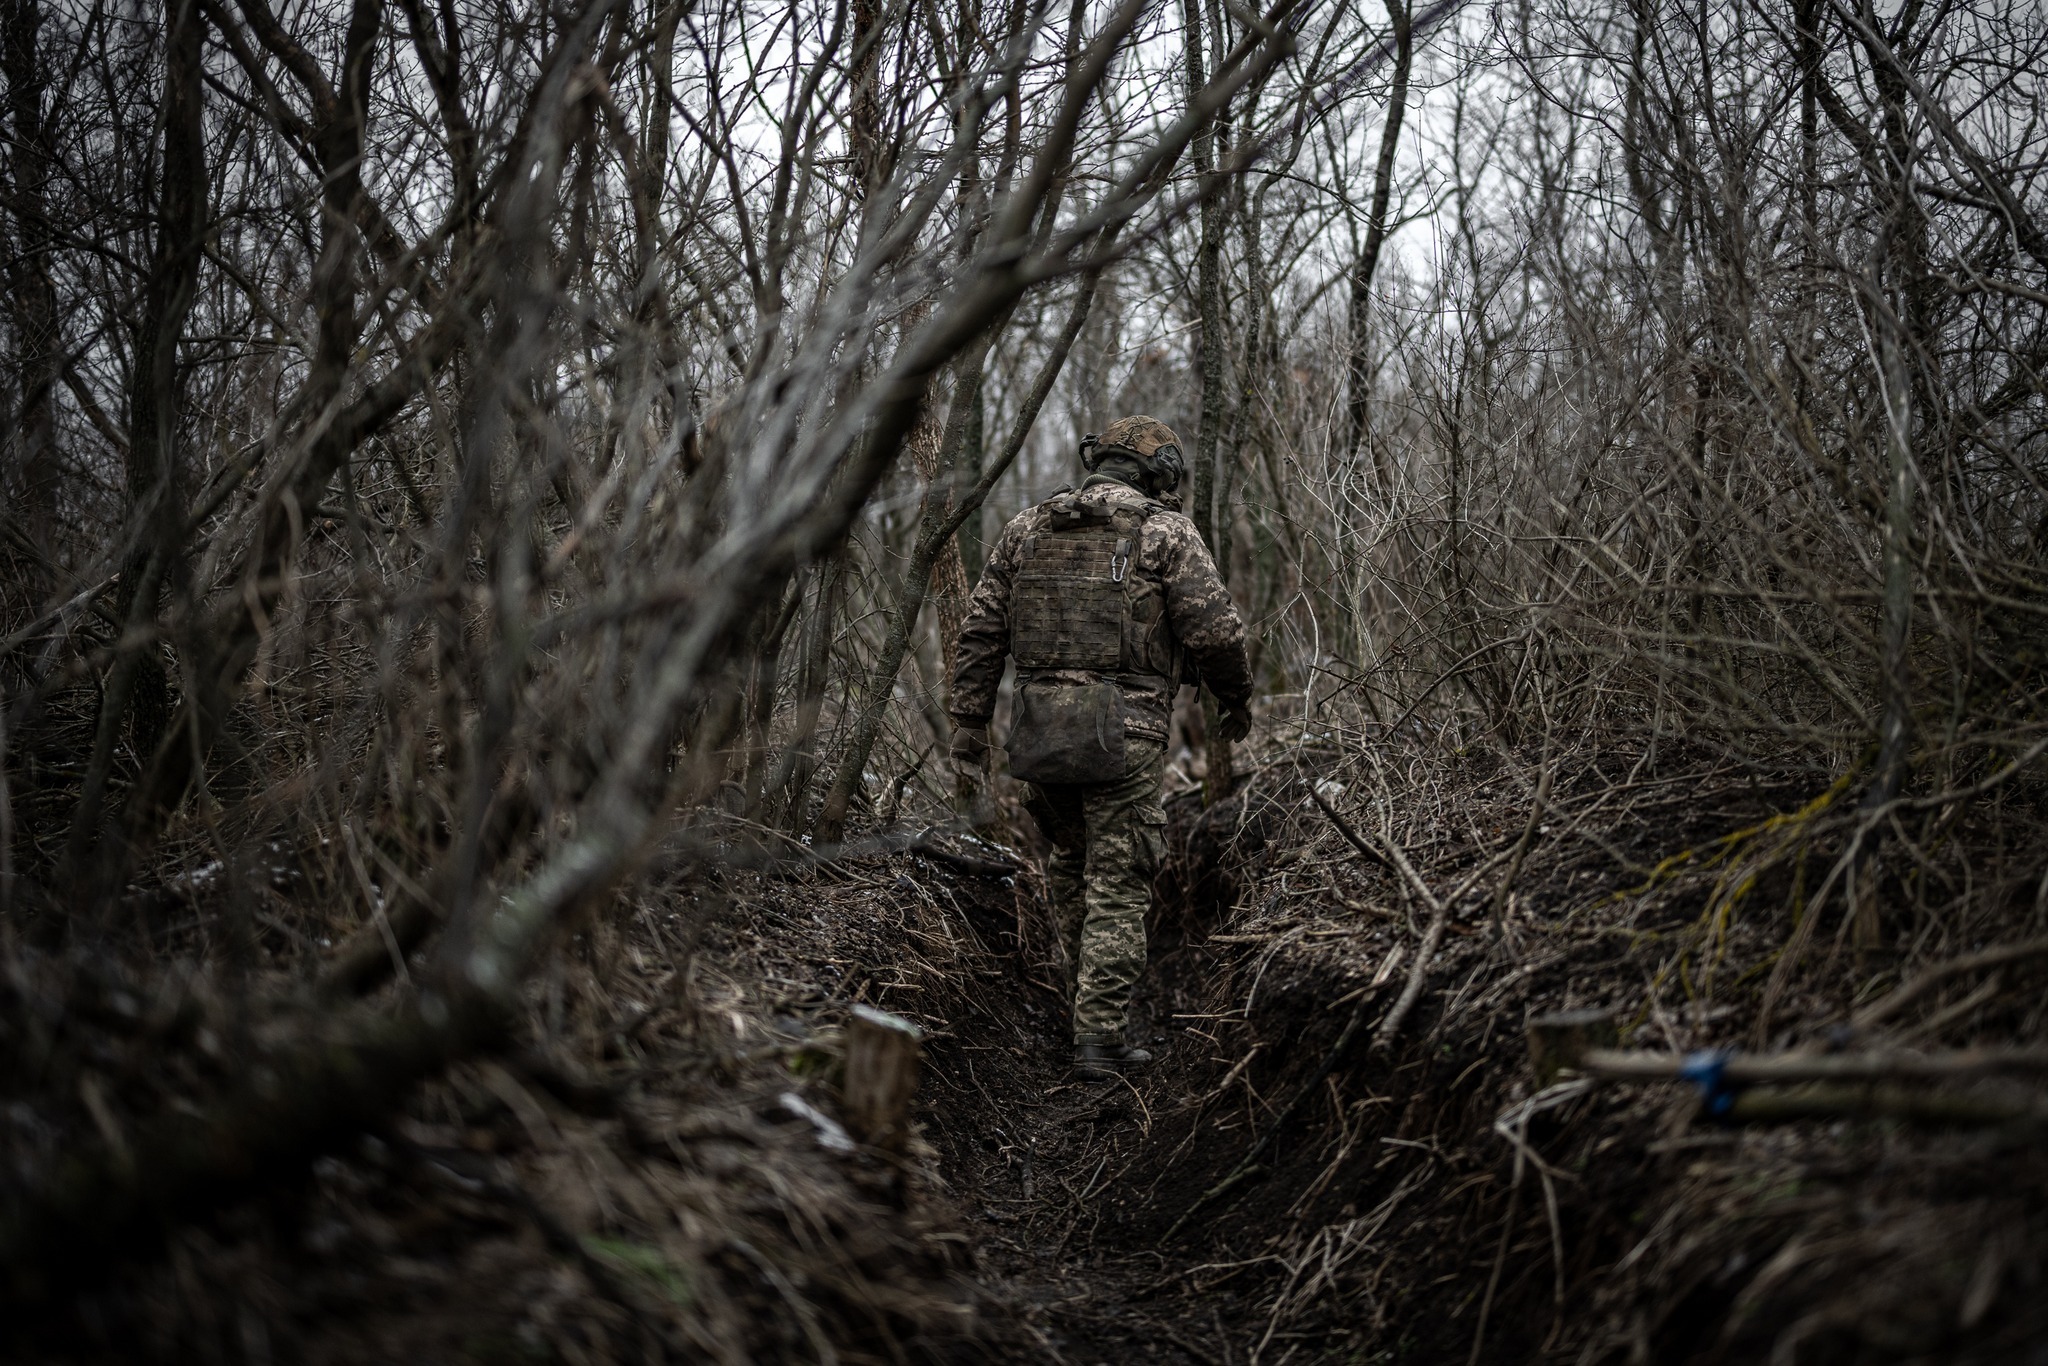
(1148, 440)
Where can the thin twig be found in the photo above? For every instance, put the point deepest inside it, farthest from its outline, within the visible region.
(1351, 836)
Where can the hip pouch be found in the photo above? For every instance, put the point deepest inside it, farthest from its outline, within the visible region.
(1067, 733)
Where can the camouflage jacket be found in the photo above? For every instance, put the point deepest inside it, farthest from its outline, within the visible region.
(1171, 562)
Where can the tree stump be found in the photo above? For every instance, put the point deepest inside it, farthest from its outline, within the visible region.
(882, 1052)
(1557, 1042)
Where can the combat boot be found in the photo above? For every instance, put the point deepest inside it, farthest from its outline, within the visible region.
(1100, 1060)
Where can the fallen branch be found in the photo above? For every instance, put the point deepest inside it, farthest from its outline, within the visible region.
(1883, 1102)
(1390, 856)
(1909, 992)
(1496, 914)
(1440, 914)
(1850, 1084)
(1351, 836)
(803, 858)
(1612, 1064)
(1411, 990)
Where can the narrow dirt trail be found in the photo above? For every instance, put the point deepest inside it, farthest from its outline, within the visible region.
(1067, 1190)
(1051, 1176)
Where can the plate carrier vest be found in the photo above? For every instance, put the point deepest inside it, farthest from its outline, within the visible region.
(1075, 604)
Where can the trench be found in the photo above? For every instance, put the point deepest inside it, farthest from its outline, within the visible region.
(1270, 1189)
(1425, 1202)
(656, 1174)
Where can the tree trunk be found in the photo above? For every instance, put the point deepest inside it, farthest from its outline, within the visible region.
(973, 550)
(799, 763)
(1897, 309)
(1209, 313)
(28, 482)
(137, 686)
(1208, 298)
(939, 461)
(1359, 397)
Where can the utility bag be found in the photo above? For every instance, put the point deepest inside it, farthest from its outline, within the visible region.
(1067, 732)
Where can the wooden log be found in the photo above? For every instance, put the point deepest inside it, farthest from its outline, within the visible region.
(1808, 1085)
(1617, 1065)
(882, 1053)
(1913, 1105)
(1559, 1042)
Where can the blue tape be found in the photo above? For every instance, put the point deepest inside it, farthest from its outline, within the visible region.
(1708, 1070)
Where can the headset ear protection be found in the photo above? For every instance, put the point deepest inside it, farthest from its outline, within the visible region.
(1166, 466)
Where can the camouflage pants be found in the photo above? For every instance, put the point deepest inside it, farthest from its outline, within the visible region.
(1109, 838)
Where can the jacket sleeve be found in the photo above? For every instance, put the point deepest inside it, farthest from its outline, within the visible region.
(1203, 617)
(985, 634)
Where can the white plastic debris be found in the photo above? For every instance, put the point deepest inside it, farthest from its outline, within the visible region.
(830, 1134)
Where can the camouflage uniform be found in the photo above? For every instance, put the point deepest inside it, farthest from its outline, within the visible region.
(1180, 625)
(1108, 839)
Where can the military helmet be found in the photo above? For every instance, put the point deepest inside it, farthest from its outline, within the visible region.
(1145, 439)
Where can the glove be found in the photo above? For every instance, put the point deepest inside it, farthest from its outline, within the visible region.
(970, 750)
(1236, 723)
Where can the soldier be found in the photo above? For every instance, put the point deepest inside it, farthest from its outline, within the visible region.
(1107, 600)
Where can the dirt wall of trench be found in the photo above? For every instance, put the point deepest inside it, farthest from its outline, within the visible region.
(1419, 1200)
